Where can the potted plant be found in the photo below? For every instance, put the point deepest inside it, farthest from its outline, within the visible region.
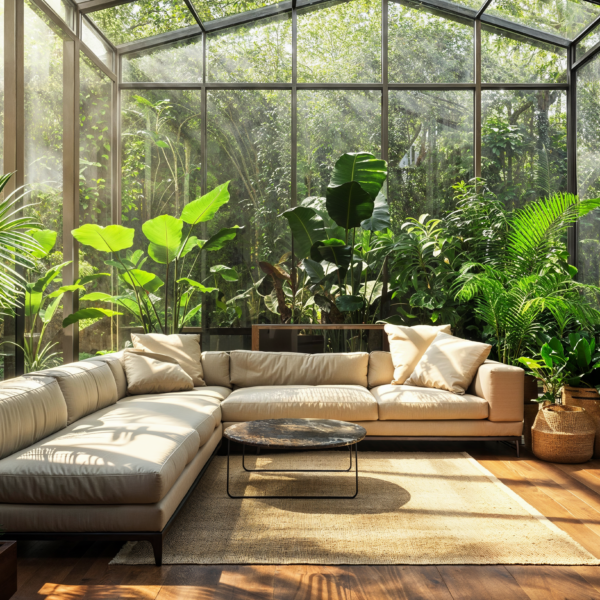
(560, 433)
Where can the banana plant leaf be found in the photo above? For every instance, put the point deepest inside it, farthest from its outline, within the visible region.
(334, 251)
(227, 273)
(349, 303)
(143, 279)
(363, 168)
(380, 219)
(164, 234)
(47, 315)
(89, 313)
(195, 284)
(307, 228)
(105, 239)
(217, 241)
(205, 208)
(46, 238)
(349, 205)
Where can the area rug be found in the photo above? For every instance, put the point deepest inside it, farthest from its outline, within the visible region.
(412, 509)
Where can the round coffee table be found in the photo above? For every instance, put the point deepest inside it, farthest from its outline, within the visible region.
(296, 434)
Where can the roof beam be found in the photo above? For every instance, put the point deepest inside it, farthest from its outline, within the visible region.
(92, 5)
(525, 31)
(587, 30)
(242, 18)
(160, 39)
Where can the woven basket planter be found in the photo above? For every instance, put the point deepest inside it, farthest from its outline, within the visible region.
(589, 399)
(563, 434)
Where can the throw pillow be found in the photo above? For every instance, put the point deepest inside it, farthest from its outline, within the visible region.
(407, 346)
(185, 349)
(149, 373)
(450, 363)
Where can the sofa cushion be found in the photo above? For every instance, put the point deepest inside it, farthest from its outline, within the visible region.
(250, 369)
(407, 346)
(125, 454)
(215, 366)
(343, 402)
(450, 363)
(149, 373)
(31, 408)
(199, 408)
(87, 386)
(408, 403)
(113, 360)
(381, 368)
(184, 348)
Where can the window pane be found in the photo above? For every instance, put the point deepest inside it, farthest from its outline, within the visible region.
(426, 48)
(96, 44)
(588, 171)
(160, 165)
(209, 10)
(587, 43)
(44, 165)
(252, 148)
(259, 52)
(177, 62)
(510, 58)
(566, 18)
(431, 149)
(524, 143)
(340, 43)
(330, 123)
(95, 198)
(141, 19)
(64, 10)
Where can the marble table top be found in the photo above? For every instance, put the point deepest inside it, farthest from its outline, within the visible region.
(296, 433)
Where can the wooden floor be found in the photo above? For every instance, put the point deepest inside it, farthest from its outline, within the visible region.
(569, 495)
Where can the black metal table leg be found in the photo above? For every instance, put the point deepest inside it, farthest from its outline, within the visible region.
(295, 471)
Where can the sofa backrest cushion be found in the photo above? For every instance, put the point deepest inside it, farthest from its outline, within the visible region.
(114, 362)
(248, 368)
(381, 368)
(31, 408)
(87, 386)
(216, 368)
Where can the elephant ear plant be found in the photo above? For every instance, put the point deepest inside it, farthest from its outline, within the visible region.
(334, 237)
(157, 305)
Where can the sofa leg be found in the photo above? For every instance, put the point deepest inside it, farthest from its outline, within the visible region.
(157, 547)
(517, 446)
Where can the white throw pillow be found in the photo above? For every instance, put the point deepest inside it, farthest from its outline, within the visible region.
(185, 349)
(407, 346)
(450, 363)
(149, 373)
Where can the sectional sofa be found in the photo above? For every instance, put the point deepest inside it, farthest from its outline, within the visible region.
(80, 458)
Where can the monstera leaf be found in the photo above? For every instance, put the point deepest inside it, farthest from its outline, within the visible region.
(363, 168)
(105, 239)
(307, 228)
(349, 204)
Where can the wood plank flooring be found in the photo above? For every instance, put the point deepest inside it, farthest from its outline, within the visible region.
(569, 495)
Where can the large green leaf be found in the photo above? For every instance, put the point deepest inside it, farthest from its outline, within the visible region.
(349, 303)
(33, 301)
(49, 276)
(380, 219)
(307, 228)
(48, 314)
(197, 285)
(105, 239)
(164, 235)
(349, 205)
(93, 277)
(205, 208)
(89, 313)
(46, 238)
(361, 167)
(66, 288)
(334, 251)
(217, 241)
(187, 246)
(143, 279)
(227, 273)
(97, 297)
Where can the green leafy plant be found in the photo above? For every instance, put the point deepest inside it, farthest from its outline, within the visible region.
(583, 359)
(337, 240)
(551, 370)
(171, 243)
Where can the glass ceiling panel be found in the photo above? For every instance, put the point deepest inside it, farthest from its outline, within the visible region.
(474, 4)
(142, 19)
(209, 10)
(566, 18)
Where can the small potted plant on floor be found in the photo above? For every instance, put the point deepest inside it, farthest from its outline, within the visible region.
(563, 434)
(8, 568)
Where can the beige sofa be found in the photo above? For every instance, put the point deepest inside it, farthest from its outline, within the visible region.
(79, 458)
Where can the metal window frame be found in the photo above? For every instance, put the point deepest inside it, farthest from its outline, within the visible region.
(14, 156)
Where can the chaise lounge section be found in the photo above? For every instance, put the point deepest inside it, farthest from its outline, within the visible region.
(80, 458)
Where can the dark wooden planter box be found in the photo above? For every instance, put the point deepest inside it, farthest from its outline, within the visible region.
(8, 569)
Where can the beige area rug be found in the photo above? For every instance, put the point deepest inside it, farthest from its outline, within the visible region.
(412, 509)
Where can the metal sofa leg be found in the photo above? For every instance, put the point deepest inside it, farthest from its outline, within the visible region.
(157, 547)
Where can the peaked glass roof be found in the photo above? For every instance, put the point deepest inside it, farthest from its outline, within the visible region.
(558, 21)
